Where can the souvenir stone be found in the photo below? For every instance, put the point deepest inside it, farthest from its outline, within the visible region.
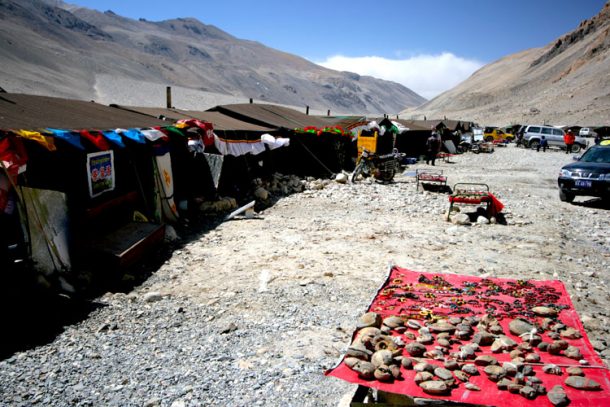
(532, 358)
(365, 370)
(558, 397)
(434, 354)
(442, 327)
(393, 322)
(514, 388)
(525, 347)
(484, 360)
(424, 367)
(520, 326)
(528, 392)
(369, 319)
(351, 362)
(435, 387)
(451, 365)
(386, 330)
(516, 353)
(552, 369)
(471, 370)
(407, 363)
(531, 337)
(547, 323)
(582, 383)
(532, 380)
(443, 342)
(423, 377)
(483, 338)
(496, 329)
(540, 389)
(573, 353)
(570, 333)
(527, 370)
(425, 339)
(381, 342)
(544, 311)
(494, 372)
(396, 372)
(443, 373)
(575, 371)
(415, 349)
(410, 335)
(382, 357)
(472, 387)
(543, 346)
(510, 368)
(461, 376)
(503, 384)
(455, 320)
(413, 324)
(357, 350)
(383, 374)
(556, 347)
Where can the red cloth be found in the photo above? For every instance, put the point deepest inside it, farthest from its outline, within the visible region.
(96, 138)
(387, 303)
(475, 198)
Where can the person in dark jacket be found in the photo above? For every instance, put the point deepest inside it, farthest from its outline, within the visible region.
(544, 143)
(433, 146)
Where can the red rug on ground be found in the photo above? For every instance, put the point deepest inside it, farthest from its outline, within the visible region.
(421, 296)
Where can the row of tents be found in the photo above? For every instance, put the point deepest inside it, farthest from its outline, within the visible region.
(87, 185)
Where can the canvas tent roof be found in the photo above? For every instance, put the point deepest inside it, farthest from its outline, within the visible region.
(270, 115)
(19, 111)
(219, 120)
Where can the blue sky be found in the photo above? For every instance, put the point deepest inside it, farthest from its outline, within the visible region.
(429, 46)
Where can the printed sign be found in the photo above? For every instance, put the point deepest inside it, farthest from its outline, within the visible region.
(100, 168)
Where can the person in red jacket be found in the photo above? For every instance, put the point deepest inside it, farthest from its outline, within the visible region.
(569, 138)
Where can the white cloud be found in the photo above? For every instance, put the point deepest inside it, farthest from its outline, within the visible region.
(428, 75)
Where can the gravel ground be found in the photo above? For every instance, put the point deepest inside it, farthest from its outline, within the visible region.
(253, 311)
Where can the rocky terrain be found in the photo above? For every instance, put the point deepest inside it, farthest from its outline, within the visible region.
(565, 82)
(57, 49)
(253, 311)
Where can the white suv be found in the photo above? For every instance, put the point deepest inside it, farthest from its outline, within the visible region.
(533, 134)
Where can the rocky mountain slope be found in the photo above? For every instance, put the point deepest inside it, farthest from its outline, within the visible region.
(53, 48)
(566, 82)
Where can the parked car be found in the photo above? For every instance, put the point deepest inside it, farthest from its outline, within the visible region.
(586, 132)
(589, 176)
(495, 134)
(553, 135)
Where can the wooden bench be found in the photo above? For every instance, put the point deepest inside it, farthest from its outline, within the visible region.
(430, 177)
(124, 242)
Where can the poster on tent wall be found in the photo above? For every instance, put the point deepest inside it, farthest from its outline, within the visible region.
(100, 172)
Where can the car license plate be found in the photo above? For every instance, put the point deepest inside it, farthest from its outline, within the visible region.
(583, 183)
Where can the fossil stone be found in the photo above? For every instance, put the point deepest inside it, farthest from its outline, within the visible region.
(443, 342)
(435, 354)
(582, 383)
(463, 335)
(547, 323)
(365, 370)
(470, 369)
(573, 353)
(525, 347)
(494, 372)
(407, 363)
(366, 335)
(531, 337)
(425, 339)
(413, 324)
(383, 373)
(369, 319)
(510, 368)
(435, 387)
(442, 327)
(552, 369)
(423, 377)
(496, 329)
(520, 326)
(393, 322)
(528, 392)
(516, 353)
(543, 346)
(395, 369)
(558, 397)
(461, 376)
(455, 320)
(484, 360)
(532, 357)
(483, 338)
(503, 384)
(514, 388)
(410, 335)
(351, 362)
(527, 370)
(556, 347)
(540, 389)
(424, 367)
(545, 311)
(443, 373)
(472, 387)
(451, 365)
(575, 371)
(415, 349)
(531, 380)
(382, 357)
(381, 342)
(358, 350)
(570, 333)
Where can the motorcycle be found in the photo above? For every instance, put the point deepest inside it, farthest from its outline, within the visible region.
(381, 167)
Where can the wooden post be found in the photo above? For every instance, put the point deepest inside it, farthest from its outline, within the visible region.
(328, 113)
(168, 97)
(251, 100)
(307, 110)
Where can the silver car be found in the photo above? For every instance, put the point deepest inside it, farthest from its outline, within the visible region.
(533, 134)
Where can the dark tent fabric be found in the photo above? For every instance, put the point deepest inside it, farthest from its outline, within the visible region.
(270, 115)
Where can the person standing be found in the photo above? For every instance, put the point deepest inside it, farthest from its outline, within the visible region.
(433, 146)
(544, 143)
(598, 139)
(569, 138)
